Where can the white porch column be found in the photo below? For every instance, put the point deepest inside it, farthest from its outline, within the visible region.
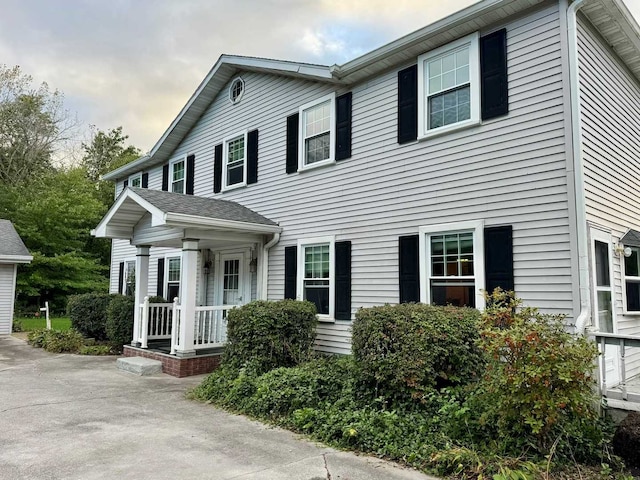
(188, 279)
(142, 289)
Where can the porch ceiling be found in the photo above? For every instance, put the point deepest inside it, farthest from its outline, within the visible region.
(175, 214)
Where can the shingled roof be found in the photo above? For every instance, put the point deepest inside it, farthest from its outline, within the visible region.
(12, 249)
(170, 202)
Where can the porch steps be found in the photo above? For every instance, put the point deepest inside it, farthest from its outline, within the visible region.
(139, 365)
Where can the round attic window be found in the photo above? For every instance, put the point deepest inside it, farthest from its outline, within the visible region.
(236, 90)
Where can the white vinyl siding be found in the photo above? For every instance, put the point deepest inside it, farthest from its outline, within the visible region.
(509, 171)
(7, 295)
(610, 102)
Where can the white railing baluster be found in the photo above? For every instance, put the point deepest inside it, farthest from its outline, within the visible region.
(603, 363)
(175, 327)
(623, 370)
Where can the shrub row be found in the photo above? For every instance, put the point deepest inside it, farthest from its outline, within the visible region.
(55, 341)
(447, 390)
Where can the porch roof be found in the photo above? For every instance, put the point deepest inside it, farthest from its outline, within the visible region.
(169, 209)
(12, 249)
(631, 238)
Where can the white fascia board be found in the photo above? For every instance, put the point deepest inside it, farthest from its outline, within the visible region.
(183, 220)
(474, 11)
(157, 215)
(15, 259)
(125, 170)
(319, 72)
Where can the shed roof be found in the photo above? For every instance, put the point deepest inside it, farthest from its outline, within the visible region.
(12, 248)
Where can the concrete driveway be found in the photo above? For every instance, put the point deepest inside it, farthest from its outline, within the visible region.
(76, 417)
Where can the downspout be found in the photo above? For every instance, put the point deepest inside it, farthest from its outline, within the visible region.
(584, 317)
(265, 264)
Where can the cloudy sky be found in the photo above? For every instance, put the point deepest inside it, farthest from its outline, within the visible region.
(135, 63)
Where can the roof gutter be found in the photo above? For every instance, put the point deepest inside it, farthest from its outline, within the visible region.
(584, 279)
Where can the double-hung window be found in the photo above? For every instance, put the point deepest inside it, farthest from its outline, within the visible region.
(235, 161)
(449, 87)
(177, 176)
(632, 280)
(173, 278)
(316, 275)
(317, 128)
(452, 264)
(135, 180)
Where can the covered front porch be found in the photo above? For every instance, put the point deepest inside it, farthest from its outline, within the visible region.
(209, 256)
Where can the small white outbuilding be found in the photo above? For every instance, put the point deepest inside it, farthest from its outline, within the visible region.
(12, 252)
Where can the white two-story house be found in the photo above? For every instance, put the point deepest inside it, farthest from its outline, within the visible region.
(499, 146)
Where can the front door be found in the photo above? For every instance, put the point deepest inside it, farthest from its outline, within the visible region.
(231, 280)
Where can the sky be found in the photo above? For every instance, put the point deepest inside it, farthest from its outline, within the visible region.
(135, 63)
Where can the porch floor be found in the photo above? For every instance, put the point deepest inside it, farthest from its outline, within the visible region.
(627, 398)
(164, 346)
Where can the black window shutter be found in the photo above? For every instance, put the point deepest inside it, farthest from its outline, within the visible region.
(493, 72)
(165, 178)
(121, 277)
(125, 184)
(343, 281)
(160, 283)
(290, 271)
(252, 157)
(145, 180)
(408, 104)
(217, 168)
(498, 258)
(292, 142)
(191, 171)
(409, 267)
(343, 126)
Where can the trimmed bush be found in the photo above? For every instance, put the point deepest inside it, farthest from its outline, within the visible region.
(37, 338)
(119, 326)
(406, 350)
(88, 313)
(269, 335)
(95, 350)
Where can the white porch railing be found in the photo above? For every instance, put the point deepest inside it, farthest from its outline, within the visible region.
(157, 319)
(627, 387)
(161, 321)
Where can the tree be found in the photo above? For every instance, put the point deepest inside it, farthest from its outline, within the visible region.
(33, 126)
(106, 152)
(54, 215)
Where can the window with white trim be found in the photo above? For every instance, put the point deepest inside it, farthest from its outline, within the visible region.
(602, 283)
(316, 276)
(236, 90)
(449, 87)
(129, 280)
(317, 132)
(177, 176)
(235, 161)
(136, 180)
(452, 264)
(632, 280)
(173, 278)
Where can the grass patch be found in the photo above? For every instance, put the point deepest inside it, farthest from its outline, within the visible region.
(36, 323)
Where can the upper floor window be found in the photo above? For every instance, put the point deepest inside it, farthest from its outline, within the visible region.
(317, 128)
(449, 87)
(135, 180)
(236, 90)
(177, 174)
(235, 161)
(452, 264)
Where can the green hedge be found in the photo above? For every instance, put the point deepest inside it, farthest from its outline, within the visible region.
(268, 335)
(119, 325)
(406, 350)
(88, 313)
